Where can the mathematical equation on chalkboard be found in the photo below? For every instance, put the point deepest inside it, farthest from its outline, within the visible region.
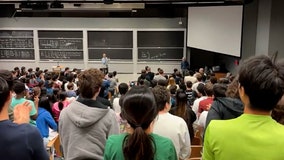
(61, 55)
(160, 54)
(60, 44)
(147, 55)
(26, 54)
(16, 43)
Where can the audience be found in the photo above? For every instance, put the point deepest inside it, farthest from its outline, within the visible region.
(18, 141)
(255, 134)
(96, 111)
(139, 143)
(85, 124)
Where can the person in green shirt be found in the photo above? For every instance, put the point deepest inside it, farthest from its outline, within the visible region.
(20, 90)
(254, 135)
(139, 143)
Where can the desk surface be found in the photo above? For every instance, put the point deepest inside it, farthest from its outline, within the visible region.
(54, 142)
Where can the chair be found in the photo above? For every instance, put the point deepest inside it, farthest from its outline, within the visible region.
(196, 151)
(196, 141)
(195, 158)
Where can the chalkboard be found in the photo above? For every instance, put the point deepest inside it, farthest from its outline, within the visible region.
(18, 33)
(60, 45)
(95, 54)
(160, 54)
(17, 44)
(110, 39)
(160, 38)
(26, 54)
(60, 55)
(60, 34)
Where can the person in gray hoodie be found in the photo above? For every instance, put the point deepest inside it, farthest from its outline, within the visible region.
(86, 123)
(228, 107)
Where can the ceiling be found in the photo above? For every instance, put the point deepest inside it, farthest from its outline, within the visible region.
(105, 8)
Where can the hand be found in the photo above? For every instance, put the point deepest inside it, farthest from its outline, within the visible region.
(22, 113)
(36, 100)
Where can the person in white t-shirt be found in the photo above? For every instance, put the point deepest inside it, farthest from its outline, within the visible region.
(169, 125)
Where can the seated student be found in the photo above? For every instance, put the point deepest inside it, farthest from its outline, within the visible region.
(172, 82)
(122, 89)
(253, 135)
(18, 141)
(45, 120)
(20, 90)
(139, 109)
(70, 92)
(62, 102)
(169, 125)
(86, 123)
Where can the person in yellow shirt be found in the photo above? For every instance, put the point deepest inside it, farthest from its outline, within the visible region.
(254, 135)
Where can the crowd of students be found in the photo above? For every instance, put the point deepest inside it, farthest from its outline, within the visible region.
(157, 117)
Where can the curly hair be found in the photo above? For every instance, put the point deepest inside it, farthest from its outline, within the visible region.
(90, 82)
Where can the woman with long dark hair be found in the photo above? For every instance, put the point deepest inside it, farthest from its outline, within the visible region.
(59, 105)
(184, 111)
(140, 111)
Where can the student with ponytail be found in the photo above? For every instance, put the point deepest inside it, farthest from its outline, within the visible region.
(59, 105)
(139, 143)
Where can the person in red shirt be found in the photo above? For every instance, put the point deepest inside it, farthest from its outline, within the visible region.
(204, 105)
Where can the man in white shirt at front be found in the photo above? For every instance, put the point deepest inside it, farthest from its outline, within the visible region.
(171, 126)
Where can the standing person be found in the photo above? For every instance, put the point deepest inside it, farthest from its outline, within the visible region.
(169, 125)
(184, 65)
(18, 141)
(184, 111)
(255, 134)
(105, 62)
(85, 124)
(140, 111)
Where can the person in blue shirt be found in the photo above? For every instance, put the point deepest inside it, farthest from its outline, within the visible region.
(45, 120)
(184, 65)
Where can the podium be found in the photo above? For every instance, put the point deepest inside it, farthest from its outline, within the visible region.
(57, 69)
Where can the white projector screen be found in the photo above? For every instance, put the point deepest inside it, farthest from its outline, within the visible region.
(215, 28)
